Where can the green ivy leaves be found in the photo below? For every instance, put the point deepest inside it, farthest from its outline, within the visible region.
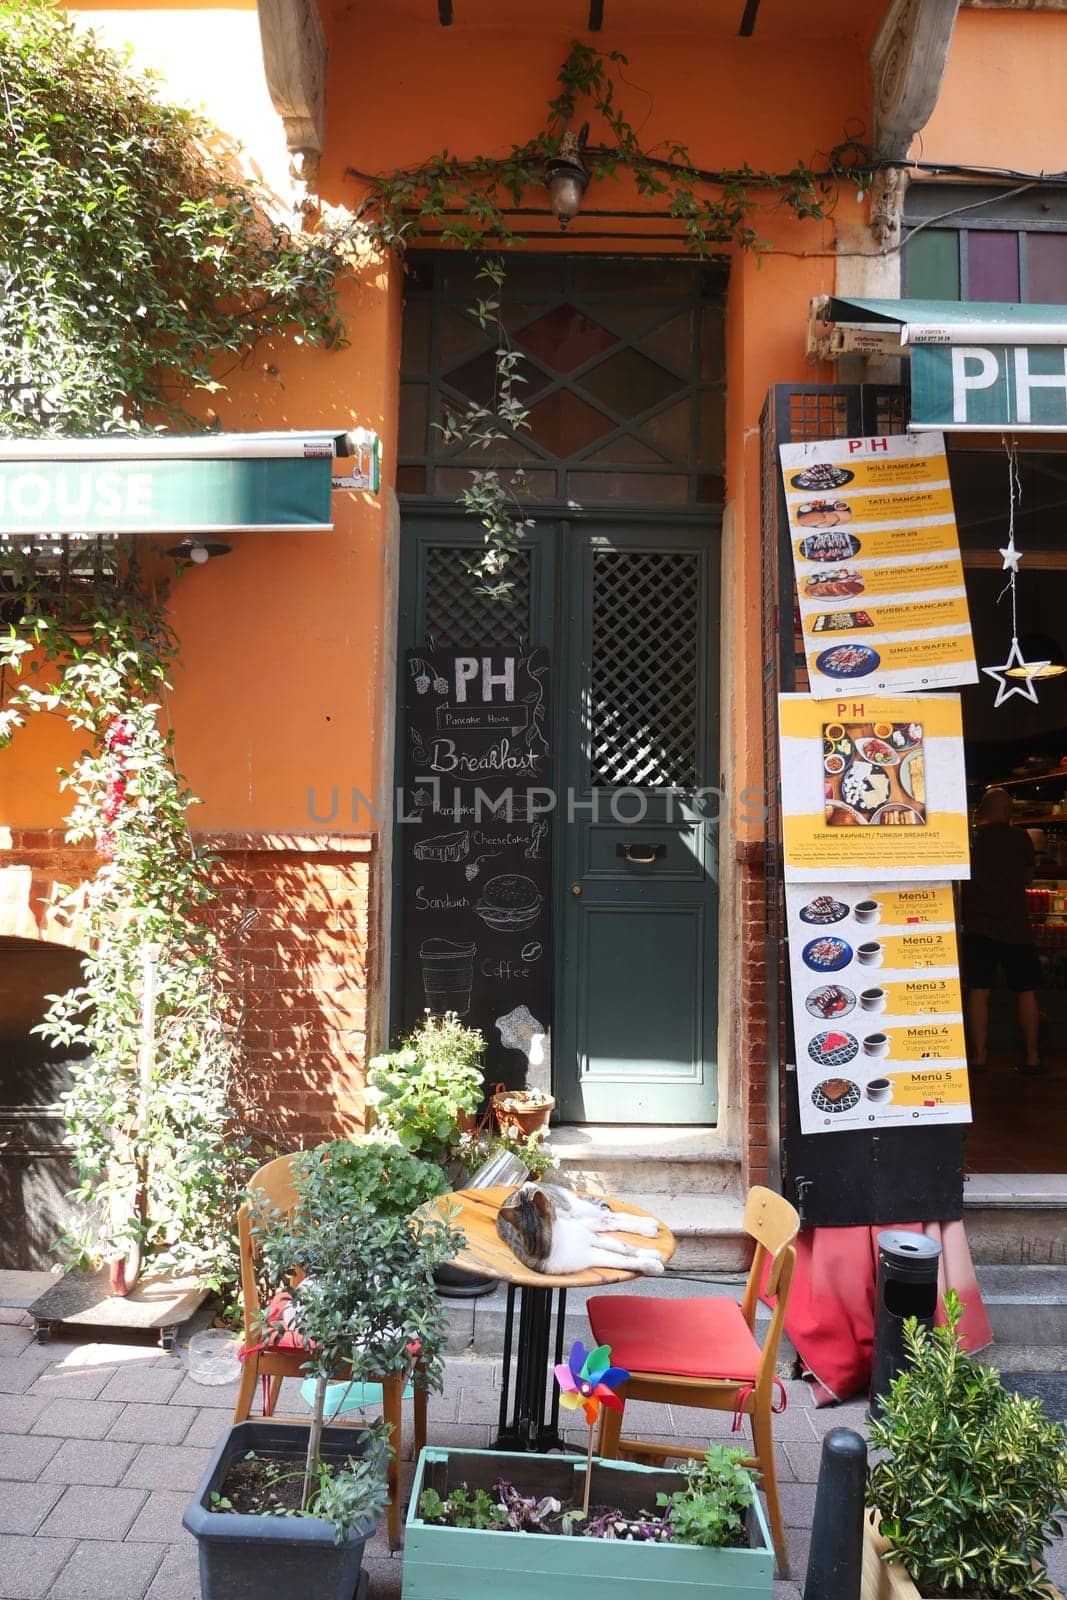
(132, 258)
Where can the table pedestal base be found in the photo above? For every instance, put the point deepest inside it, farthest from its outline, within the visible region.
(528, 1428)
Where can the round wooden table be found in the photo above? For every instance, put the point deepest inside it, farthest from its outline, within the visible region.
(475, 1211)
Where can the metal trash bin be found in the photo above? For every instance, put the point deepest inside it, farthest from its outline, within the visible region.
(907, 1287)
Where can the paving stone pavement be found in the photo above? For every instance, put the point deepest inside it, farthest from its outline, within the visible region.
(101, 1443)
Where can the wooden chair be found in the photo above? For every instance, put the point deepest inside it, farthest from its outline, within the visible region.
(268, 1365)
(703, 1352)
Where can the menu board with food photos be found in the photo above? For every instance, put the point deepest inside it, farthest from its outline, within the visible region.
(879, 578)
(877, 1010)
(873, 789)
(474, 840)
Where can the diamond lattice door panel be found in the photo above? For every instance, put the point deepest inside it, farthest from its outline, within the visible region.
(638, 915)
(643, 683)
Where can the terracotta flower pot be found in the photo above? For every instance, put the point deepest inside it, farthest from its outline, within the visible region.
(515, 1115)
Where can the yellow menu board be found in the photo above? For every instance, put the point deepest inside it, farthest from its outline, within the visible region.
(877, 560)
(873, 788)
(877, 1009)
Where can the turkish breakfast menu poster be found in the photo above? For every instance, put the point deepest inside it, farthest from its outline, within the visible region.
(876, 553)
(873, 789)
(474, 840)
(877, 1010)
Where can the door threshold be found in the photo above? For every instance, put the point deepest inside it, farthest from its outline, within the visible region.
(1018, 1190)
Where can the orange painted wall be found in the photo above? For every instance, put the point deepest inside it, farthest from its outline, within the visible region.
(1002, 103)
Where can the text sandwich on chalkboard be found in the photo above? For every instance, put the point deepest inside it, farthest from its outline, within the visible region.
(475, 839)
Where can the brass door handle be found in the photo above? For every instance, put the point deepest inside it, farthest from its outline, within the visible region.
(576, 888)
(640, 855)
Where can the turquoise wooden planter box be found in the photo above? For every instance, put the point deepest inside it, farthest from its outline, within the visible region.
(467, 1563)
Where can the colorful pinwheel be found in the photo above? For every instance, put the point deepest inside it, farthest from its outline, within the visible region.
(589, 1380)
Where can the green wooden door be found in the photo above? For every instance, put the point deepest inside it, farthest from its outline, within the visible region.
(638, 829)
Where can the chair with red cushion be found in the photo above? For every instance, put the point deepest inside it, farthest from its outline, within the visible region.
(267, 1360)
(703, 1352)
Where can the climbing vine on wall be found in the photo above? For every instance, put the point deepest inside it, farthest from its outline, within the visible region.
(158, 1162)
(135, 268)
(472, 202)
(135, 265)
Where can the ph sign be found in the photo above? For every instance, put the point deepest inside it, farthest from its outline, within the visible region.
(989, 388)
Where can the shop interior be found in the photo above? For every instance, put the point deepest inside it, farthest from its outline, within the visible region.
(1020, 1121)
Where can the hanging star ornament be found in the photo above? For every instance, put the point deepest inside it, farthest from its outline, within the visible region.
(1023, 683)
(1012, 557)
(589, 1380)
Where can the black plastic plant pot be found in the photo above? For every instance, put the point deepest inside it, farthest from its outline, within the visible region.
(456, 1283)
(283, 1558)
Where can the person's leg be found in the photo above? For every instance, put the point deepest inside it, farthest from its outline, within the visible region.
(1022, 967)
(981, 974)
(978, 1027)
(1030, 1026)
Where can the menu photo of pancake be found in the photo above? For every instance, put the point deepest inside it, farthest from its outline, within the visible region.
(874, 774)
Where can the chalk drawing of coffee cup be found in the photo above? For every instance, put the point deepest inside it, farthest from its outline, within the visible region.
(447, 975)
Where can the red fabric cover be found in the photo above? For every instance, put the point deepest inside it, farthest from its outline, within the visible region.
(830, 1316)
(705, 1338)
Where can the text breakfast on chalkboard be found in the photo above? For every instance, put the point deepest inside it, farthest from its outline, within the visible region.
(475, 849)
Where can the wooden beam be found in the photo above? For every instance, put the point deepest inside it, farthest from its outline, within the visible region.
(748, 19)
(444, 13)
(596, 15)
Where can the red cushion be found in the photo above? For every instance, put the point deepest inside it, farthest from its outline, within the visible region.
(277, 1340)
(680, 1338)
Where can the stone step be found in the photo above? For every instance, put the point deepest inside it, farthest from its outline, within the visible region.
(620, 1159)
(706, 1227)
(1027, 1307)
(1016, 1219)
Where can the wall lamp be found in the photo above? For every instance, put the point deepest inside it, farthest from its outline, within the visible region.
(198, 551)
(567, 175)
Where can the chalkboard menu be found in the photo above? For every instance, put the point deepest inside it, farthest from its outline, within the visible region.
(475, 838)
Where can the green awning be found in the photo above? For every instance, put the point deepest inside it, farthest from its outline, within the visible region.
(955, 322)
(167, 483)
(976, 367)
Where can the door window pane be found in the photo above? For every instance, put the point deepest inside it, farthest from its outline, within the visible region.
(564, 338)
(933, 265)
(643, 674)
(992, 266)
(1047, 253)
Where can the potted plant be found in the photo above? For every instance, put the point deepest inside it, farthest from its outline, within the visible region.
(520, 1112)
(473, 1515)
(361, 1300)
(427, 1092)
(969, 1482)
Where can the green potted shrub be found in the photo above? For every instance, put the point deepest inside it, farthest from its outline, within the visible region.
(360, 1269)
(427, 1093)
(650, 1530)
(968, 1484)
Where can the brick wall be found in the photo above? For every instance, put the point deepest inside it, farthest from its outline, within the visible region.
(294, 917)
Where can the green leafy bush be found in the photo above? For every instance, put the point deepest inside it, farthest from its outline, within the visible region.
(372, 1173)
(427, 1090)
(972, 1479)
(712, 1508)
(132, 257)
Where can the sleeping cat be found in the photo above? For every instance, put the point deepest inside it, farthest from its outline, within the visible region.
(554, 1230)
